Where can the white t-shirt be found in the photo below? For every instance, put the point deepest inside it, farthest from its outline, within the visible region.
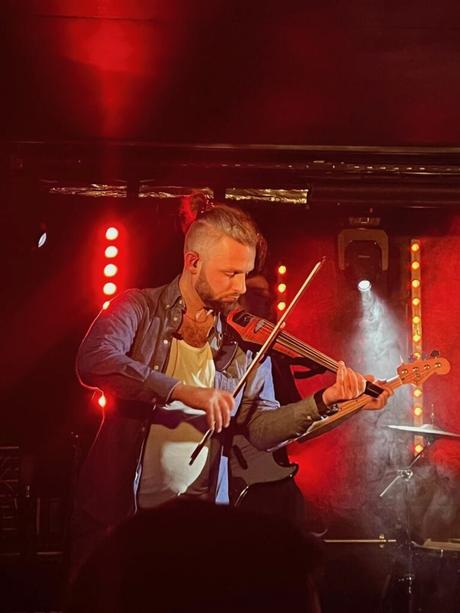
(175, 432)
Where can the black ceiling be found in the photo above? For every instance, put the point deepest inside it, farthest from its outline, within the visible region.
(209, 71)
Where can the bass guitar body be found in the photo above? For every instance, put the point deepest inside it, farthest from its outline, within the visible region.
(250, 467)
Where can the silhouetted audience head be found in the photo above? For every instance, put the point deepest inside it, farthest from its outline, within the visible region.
(194, 556)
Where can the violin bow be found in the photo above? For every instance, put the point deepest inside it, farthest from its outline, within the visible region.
(263, 350)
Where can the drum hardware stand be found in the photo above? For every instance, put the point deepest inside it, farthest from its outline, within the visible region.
(430, 432)
(405, 543)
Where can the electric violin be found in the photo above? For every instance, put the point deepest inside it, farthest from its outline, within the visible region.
(254, 331)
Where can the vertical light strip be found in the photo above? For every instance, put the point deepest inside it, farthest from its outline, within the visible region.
(417, 337)
(110, 268)
(281, 289)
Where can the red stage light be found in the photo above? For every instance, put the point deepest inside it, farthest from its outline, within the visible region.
(281, 288)
(281, 306)
(111, 233)
(282, 269)
(106, 305)
(102, 400)
(110, 270)
(111, 251)
(109, 289)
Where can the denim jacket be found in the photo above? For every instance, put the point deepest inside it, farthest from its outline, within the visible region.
(125, 354)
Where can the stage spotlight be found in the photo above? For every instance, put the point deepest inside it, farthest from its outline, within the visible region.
(364, 285)
(363, 263)
(363, 255)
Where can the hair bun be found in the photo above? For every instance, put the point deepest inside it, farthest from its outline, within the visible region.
(192, 206)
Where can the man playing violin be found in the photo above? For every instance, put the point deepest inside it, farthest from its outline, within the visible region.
(161, 356)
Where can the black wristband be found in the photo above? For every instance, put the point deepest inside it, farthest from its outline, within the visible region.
(323, 409)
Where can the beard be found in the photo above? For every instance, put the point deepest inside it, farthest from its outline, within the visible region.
(210, 300)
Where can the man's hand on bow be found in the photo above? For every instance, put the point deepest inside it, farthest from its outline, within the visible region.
(217, 404)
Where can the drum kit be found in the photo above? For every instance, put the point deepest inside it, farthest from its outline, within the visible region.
(439, 587)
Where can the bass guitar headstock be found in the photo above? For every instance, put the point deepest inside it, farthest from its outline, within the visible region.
(419, 371)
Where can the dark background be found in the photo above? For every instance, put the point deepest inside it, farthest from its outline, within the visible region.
(295, 72)
(357, 102)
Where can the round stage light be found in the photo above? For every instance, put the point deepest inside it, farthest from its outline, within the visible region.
(281, 306)
(282, 269)
(106, 305)
(281, 288)
(415, 247)
(109, 289)
(416, 283)
(110, 270)
(111, 233)
(102, 401)
(364, 285)
(111, 251)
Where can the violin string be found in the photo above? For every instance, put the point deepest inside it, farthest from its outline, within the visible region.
(308, 352)
(305, 350)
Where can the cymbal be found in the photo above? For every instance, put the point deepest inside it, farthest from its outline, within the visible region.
(425, 430)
